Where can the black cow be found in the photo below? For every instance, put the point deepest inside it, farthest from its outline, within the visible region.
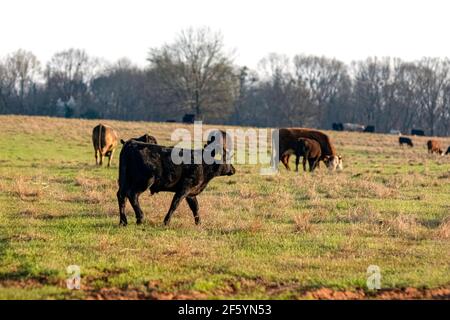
(417, 132)
(448, 151)
(338, 126)
(189, 118)
(405, 140)
(370, 129)
(145, 138)
(148, 166)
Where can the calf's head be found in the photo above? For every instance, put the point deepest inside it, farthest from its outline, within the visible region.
(333, 162)
(224, 169)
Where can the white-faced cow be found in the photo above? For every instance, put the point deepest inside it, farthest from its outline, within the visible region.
(288, 139)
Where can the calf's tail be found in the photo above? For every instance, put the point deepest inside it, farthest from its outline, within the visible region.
(100, 147)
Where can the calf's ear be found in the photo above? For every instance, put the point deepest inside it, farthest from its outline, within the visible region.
(121, 141)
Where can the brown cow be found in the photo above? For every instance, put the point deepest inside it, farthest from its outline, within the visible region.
(310, 150)
(105, 141)
(288, 138)
(434, 146)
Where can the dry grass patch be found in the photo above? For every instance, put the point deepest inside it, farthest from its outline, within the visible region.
(443, 231)
(370, 189)
(361, 214)
(25, 190)
(255, 226)
(302, 223)
(405, 226)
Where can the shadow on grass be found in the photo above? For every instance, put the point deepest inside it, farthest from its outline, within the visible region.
(25, 274)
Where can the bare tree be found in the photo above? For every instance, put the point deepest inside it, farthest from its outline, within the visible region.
(433, 80)
(4, 88)
(286, 101)
(196, 71)
(21, 71)
(68, 74)
(119, 91)
(327, 81)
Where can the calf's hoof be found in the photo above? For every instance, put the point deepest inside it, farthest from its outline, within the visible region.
(138, 222)
(197, 221)
(123, 223)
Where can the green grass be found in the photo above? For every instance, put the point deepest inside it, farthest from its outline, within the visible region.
(261, 236)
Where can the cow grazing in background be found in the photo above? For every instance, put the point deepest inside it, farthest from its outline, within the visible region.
(337, 126)
(417, 132)
(189, 118)
(405, 140)
(310, 150)
(104, 139)
(145, 138)
(370, 129)
(448, 151)
(394, 131)
(288, 138)
(148, 166)
(353, 127)
(434, 146)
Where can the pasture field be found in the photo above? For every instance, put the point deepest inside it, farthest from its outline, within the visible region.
(288, 236)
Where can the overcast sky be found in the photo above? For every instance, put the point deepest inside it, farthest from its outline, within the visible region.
(345, 29)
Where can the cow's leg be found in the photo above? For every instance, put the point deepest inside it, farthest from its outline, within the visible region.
(311, 162)
(177, 198)
(96, 157)
(133, 196)
(282, 159)
(297, 160)
(121, 198)
(304, 163)
(101, 157)
(110, 155)
(316, 163)
(285, 161)
(193, 204)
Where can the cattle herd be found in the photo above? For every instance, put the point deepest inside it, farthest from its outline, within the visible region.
(146, 165)
(433, 146)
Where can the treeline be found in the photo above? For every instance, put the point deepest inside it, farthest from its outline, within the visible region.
(195, 74)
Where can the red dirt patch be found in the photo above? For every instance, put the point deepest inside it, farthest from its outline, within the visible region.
(384, 294)
(319, 294)
(152, 291)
